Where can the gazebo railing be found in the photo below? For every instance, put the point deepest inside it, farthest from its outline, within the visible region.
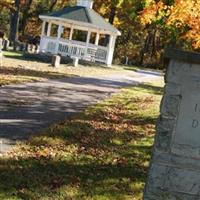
(72, 48)
(67, 48)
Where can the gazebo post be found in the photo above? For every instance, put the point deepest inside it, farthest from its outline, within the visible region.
(43, 28)
(42, 42)
(87, 41)
(59, 32)
(49, 29)
(97, 39)
(88, 37)
(71, 33)
(111, 50)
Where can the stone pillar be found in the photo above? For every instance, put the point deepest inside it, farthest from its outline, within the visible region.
(175, 166)
(75, 62)
(56, 61)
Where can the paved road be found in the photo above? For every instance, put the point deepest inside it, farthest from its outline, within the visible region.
(26, 109)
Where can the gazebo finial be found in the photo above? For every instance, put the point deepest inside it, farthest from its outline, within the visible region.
(85, 3)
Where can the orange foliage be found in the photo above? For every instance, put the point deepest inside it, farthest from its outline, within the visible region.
(152, 12)
(187, 12)
(183, 13)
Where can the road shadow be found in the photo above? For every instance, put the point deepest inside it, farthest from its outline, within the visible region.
(28, 108)
(98, 166)
(101, 156)
(31, 73)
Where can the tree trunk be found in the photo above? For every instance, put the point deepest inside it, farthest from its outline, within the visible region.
(153, 50)
(144, 50)
(25, 17)
(111, 20)
(53, 5)
(15, 22)
(112, 14)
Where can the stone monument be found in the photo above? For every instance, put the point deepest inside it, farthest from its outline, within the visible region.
(174, 172)
(56, 61)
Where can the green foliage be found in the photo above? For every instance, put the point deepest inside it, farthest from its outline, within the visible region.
(4, 21)
(169, 2)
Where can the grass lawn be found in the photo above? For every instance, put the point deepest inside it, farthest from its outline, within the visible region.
(19, 68)
(101, 154)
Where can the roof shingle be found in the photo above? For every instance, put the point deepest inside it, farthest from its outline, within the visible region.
(83, 14)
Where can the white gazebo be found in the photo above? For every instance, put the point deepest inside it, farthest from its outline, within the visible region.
(79, 32)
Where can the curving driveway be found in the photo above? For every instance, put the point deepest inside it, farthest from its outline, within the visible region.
(27, 108)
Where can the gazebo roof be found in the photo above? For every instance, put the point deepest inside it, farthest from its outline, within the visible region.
(83, 15)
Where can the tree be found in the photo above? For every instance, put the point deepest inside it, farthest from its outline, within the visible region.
(173, 23)
(185, 15)
(147, 26)
(25, 15)
(14, 21)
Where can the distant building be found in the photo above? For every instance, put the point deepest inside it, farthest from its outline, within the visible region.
(79, 32)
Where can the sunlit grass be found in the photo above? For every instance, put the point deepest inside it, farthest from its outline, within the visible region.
(101, 154)
(20, 68)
